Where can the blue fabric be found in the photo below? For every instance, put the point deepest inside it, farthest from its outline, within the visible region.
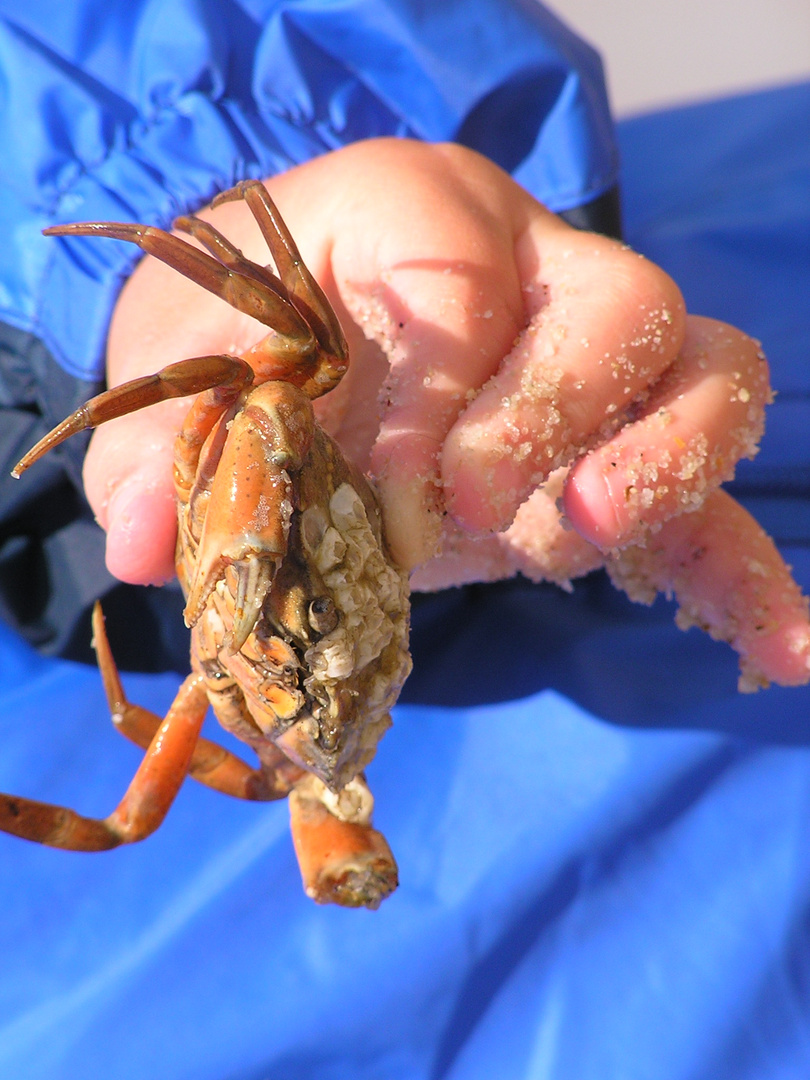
(143, 109)
(608, 879)
(577, 900)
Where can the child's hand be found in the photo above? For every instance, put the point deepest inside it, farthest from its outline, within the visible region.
(492, 347)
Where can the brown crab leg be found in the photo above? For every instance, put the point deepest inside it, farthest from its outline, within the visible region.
(177, 380)
(302, 370)
(210, 764)
(292, 269)
(305, 292)
(227, 253)
(147, 799)
(261, 300)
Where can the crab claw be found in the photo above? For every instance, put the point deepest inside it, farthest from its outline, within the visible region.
(251, 504)
(343, 859)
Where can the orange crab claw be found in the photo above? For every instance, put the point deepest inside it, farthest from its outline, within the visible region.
(251, 503)
(343, 859)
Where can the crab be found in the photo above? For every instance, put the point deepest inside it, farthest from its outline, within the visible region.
(298, 614)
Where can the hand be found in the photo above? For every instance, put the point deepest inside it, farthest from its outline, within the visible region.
(494, 350)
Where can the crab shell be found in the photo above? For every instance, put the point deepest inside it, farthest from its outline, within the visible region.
(317, 666)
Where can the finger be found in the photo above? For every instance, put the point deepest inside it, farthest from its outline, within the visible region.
(128, 481)
(462, 559)
(436, 288)
(440, 343)
(601, 324)
(730, 580)
(542, 545)
(703, 416)
(538, 544)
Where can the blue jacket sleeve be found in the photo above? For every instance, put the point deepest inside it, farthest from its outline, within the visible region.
(143, 109)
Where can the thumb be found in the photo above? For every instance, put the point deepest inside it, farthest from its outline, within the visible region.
(128, 482)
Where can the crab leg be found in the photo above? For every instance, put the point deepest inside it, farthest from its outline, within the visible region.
(147, 800)
(342, 858)
(291, 268)
(304, 370)
(304, 290)
(210, 764)
(261, 299)
(229, 373)
(228, 254)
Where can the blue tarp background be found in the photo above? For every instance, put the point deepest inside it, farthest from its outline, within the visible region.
(604, 850)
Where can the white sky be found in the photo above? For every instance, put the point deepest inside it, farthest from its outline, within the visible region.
(667, 52)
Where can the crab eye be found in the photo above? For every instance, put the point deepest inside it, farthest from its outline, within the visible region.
(322, 614)
(214, 672)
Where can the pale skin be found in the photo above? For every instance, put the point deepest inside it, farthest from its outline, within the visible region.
(492, 348)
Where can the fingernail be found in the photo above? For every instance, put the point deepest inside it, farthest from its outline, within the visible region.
(140, 536)
(590, 507)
